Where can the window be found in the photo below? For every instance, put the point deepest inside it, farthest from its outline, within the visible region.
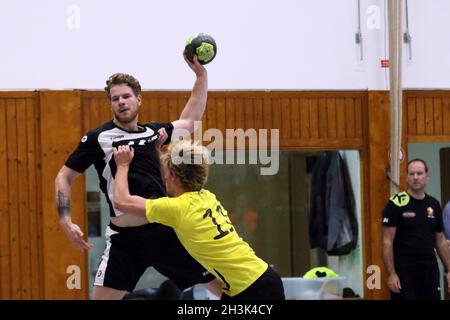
(270, 212)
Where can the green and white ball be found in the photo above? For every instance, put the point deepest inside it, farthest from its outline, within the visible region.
(203, 45)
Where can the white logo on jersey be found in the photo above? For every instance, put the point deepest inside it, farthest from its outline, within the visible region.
(117, 137)
(84, 139)
(385, 220)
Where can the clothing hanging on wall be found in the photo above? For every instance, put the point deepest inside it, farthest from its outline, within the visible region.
(333, 226)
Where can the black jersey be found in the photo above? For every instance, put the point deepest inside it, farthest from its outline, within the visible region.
(144, 177)
(417, 222)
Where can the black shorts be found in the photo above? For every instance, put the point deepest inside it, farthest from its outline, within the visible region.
(267, 287)
(419, 280)
(130, 251)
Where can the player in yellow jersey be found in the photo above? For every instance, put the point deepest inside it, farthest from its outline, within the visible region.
(200, 221)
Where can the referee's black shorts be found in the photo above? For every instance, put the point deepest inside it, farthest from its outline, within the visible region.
(419, 280)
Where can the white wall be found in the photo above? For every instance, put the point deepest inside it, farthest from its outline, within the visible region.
(429, 24)
(262, 44)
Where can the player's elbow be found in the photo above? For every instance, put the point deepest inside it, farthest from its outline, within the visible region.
(61, 179)
(129, 205)
(185, 123)
(119, 204)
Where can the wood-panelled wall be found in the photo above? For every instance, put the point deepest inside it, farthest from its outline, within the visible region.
(42, 128)
(427, 115)
(61, 131)
(375, 184)
(21, 254)
(306, 119)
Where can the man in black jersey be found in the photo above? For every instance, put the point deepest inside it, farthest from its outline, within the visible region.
(133, 244)
(412, 233)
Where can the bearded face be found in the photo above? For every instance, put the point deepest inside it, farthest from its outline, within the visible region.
(124, 103)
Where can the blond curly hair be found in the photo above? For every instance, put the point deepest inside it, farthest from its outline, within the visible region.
(189, 162)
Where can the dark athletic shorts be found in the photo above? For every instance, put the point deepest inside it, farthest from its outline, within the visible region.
(267, 287)
(131, 250)
(419, 280)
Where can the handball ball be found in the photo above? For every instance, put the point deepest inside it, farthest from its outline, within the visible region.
(203, 45)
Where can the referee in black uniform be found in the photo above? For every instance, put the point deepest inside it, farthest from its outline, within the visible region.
(412, 233)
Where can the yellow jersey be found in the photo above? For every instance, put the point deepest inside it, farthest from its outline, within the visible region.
(203, 227)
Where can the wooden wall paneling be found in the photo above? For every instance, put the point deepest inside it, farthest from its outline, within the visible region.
(420, 116)
(267, 113)
(153, 109)
(57, 142)
(210, 121)
(285, 119)
(366, 230)
(349, 118)
(377, 185)
(295, 118)
(13, 198)
(181, 103)
(360, 108)
(411, 115)
(39, 201)
(277, 122)
(220, 116)
(230, 117)
(34, 196)
(437, 115)
(249, 121)
(86, 115)
(210, 115)
(331, 120)
(341, 120)
(445, 115)
(149, 109)
(174, 114)
(258, 113)
(163, 110)
(24, 210)
(239, 113)
(249, 113)
(95, 112)
(304, 118)
(314, 117)
(104, 111)
(429, 116)
(5, 250)
(105, 107)
(323, 118)
(96, 109)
